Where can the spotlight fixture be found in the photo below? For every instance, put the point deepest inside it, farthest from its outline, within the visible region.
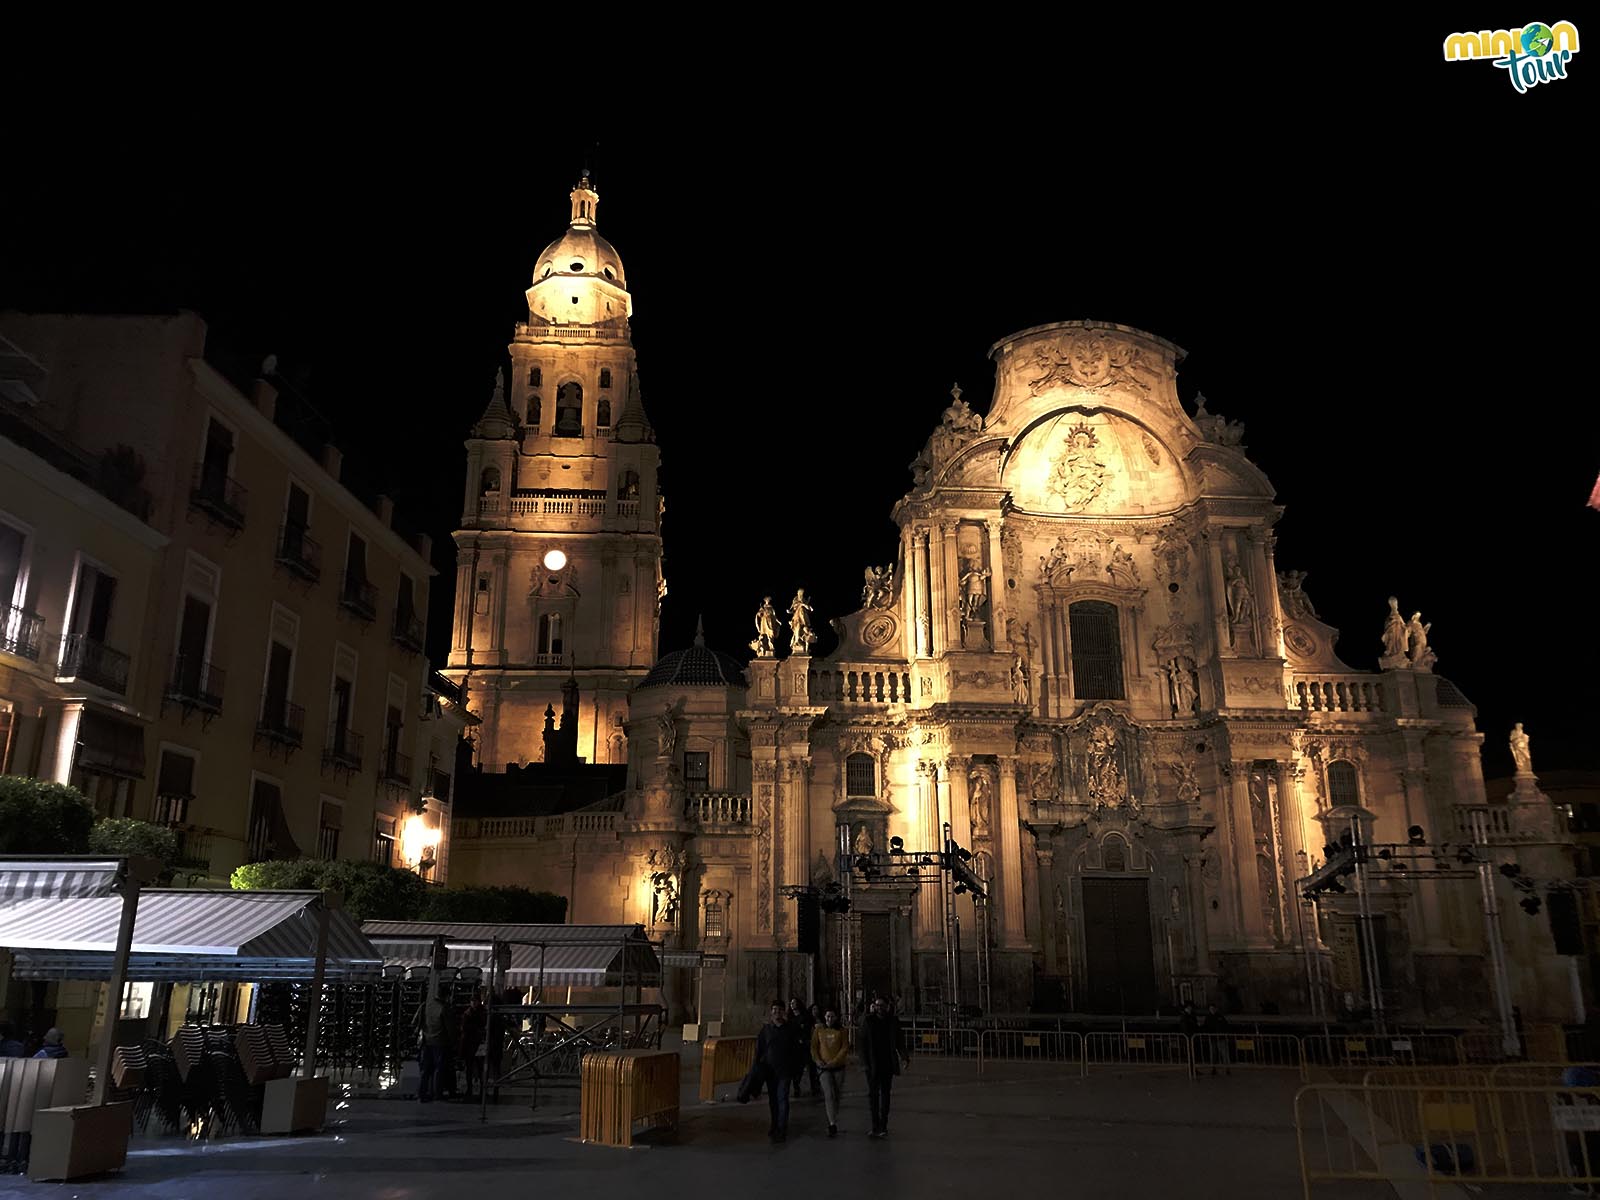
(897, 845)
(554, 560)
(1416, 836)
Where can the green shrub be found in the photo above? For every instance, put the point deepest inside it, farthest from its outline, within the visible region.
(37, 817)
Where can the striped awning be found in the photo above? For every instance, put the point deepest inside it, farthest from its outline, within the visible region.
(186, 935)
(41, 879)
(541, 955)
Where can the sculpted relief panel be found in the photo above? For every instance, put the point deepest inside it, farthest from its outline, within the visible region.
(1082, 462)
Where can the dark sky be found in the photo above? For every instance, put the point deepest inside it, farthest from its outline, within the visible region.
(1376, 260)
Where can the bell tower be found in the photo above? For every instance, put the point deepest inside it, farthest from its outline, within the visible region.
(558, 558)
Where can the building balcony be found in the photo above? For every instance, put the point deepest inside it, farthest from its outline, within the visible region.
(358, 596)
(21, 632)
(282, 723)
(719, 808)
(396, 768)
(408, 631)
(93, 662)
(218, 497)
(196, 684)
(299, 552)
(343, 749)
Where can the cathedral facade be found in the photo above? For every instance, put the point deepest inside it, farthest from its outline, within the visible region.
(1082, 665)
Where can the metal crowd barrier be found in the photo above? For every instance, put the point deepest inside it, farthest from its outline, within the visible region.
(1370, 1050)
(1020, 1045)
(1540, 1043)
(1435, 1135)
(1534, 1074)
(1247, 1051)
(1169, 1050)
(620, 1088)
(724, 1060)
(941, 1041)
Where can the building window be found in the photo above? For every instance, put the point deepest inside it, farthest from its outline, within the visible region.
(860, 775)
(1343, 784)
(174, 789)
(1096, 651)
(628, 486)
(605, 377)
(535, 376)
(535, 410)
(716, 918)
(550, 634)
(602, 413)
(268, 836)
(489, 481)
(697, 770)
(383, 841)
(328, 831)
(480, 599)
(569, 411)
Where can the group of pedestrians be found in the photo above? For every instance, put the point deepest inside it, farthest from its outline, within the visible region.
(443, 1041)
(795, 1044)
(1211, 1053)
(52, 1045)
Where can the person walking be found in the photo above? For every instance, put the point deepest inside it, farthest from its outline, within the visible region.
(436, 1023)
(881, 1055)
(1219, 1049)
(474, 1024)
(830, 1048)
(803, 1023)
(778, 1057)
(55, 1044)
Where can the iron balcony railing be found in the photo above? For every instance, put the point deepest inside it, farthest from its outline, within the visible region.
(282, 722)
(359, 596)
(172, 808)
(93, 662)
(299, 551)
(21, 632)
(218, 496)
(343, 748)
(197, 683)
(408, 631)
(396, 767)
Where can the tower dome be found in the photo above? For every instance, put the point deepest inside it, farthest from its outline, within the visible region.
(578, 278)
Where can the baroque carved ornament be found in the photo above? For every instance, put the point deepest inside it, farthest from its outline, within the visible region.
(1089, 360)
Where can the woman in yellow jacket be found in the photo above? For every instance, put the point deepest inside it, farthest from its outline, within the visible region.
(830, 1046)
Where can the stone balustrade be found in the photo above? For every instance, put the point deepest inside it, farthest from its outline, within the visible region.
(720, 808)
(1496, 822)
(492, 828)
(860, 683)
(1337, 694)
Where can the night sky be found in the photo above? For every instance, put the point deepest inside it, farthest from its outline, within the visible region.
(1375, 259)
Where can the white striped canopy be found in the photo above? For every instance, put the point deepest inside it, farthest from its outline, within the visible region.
(42, 879)
(185, 935)
(541, 955)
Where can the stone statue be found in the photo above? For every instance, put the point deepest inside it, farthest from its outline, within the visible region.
(863, 843)
(974, 592)
(878, 591)
(1042, 782)
(1108, 782)
(1184, 692)
(1188, 786)
(1394, 635)
(1021, 681)
(981, 795)
(765, 644)
(1241, 604)
(669, 734)
(1421, 657)
(1520, 754)
(1291, 594)
(801, 637)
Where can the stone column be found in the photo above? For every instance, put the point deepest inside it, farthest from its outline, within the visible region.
(764, 826)
(1265, 589)
(1194, 878)
(999, 597)
(466, 592)
(59, 761)
(1252, 923)
(923, 540)
(1050, 935)
(948, 589)
(1273, 609)
(1291, 841)
(1219, 592)
(908, 593)
(1045, 684)
(1008, 857)
(959, 809)
(930, 914)
(796, 833)
(1430, 900)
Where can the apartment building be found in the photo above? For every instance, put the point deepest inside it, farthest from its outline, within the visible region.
(270, 655)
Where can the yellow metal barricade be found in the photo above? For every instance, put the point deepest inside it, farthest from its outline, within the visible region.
(941, 1042)
(1064, 1050)
(621, 1088)
(1534, 1074)
(1169, 1050)
(1371, 1050)
(1540, 1043)
(1224, 1051)
(724, 1060)
(1442, 1134)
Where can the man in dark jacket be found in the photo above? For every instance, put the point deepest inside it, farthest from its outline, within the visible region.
(804, 1024)
(778, 1058)
(881, 1055)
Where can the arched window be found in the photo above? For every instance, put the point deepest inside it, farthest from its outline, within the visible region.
(535, 377)
(628, 486)
(860, 776)
(569, 411)
(550, 633)
(602, 413)
(605, 377)
(535, 409)
(489, 481)
(1096, 651)
(1344, 785)
(716, 922)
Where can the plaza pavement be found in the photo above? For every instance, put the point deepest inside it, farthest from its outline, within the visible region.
(1020, 1131)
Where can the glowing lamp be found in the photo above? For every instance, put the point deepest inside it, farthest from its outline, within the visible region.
(418, 839)
(554, 560)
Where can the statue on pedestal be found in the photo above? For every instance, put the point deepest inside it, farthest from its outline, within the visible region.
(979, 799)
(1241, 604)
(801, 637)
(863, 842)
(1394, 637)
(765, 643)
(1422, 658)
(1184, 690)
(1520, 753)
(878, 591)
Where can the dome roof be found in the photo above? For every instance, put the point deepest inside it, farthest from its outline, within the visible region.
(580, 251)
(698, 666)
